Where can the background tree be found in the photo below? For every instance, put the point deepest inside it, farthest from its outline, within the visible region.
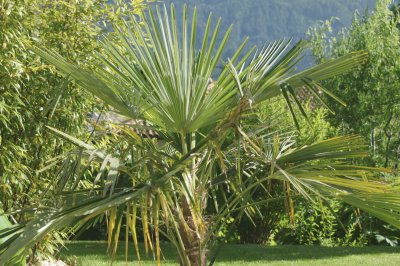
(32, 94)
(277, 223)
(372, 92)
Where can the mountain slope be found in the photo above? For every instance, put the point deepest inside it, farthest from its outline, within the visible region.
(267, 20)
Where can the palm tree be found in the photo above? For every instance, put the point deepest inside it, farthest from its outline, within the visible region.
(211, 154)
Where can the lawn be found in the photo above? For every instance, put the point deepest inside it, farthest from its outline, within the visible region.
(93, 253)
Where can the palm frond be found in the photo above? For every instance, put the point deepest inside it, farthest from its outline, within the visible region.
(36, 229)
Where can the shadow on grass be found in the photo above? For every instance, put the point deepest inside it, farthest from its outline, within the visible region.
(230, 253)
(98, 249)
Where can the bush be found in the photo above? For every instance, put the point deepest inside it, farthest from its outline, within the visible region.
(32, 94)
(324, 223)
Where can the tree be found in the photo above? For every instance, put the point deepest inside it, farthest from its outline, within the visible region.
(33, 95)
(212, 152)
(372, 92)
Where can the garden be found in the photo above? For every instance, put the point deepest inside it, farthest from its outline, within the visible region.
(129, 134)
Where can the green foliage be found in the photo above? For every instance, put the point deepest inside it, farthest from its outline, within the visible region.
(212, 153)
(327, 223)
(312, 129)
(371, 92)
(33, 95)
(331, 223)
(28, 84)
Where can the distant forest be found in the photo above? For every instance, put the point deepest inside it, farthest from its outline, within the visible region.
(267, 20)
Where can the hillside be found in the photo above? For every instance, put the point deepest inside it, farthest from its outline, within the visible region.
(267, 20)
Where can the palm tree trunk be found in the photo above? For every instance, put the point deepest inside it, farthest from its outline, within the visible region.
(193, 239)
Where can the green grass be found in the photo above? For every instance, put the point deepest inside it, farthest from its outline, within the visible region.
(94, 253)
